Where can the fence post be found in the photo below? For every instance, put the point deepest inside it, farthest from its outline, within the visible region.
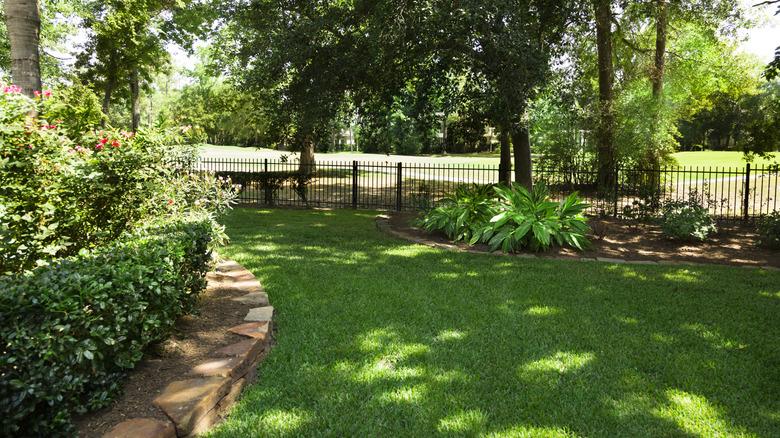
(746, 200)
(617, 189)
(354, 184)
(398, 188)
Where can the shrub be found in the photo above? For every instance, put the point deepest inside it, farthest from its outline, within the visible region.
(769, 230)
(463, 214)
(62, 191)
(686, 220)
(531, 220)
(72, 328)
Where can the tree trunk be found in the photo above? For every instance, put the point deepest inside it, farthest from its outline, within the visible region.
(307, 165)
(135, 100)
(521, 141)
(505, 165)
(661, 24)
(24, 25)
(606, 125)
(107, 91)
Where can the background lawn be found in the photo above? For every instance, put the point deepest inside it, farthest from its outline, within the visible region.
(690, 159)
(380, 337)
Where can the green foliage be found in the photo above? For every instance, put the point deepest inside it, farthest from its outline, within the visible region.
(463, 214)
(686, 220)
(531, 220)
(70, 329)
(78, 105)
(59, 195)
(769, 229)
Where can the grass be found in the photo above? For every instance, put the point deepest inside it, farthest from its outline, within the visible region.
(689, 159)
(721, 159)
(380, 337)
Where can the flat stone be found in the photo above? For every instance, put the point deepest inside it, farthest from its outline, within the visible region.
(248, 286)
(142, 428)
(770, 268)
(254, 299)
(249, 348)
(186, 402)
(260, 314)
(382, 217)
(231, 276)
(610, 260)
(225, 367)
(587, 259)
(258, 330)
(228, 266)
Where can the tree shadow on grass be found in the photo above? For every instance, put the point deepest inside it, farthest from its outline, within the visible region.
(381, 337)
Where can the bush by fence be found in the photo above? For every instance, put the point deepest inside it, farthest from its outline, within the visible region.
(71, 329)
(728, 193)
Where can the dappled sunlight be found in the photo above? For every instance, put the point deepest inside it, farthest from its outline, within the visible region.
(405, 394)
(662, 338)
(712, 337)
(627, 320)
(404, 251)
(695, 414)
(561, 362)
(282, 422)
(470, 421)
(683, 276)
(543, 311)
(523, 431)
(449, 335)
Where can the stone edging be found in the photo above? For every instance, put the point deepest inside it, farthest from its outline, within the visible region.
(384, 225)
(194, 405)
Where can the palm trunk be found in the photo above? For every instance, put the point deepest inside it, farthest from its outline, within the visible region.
(24, 25)
(505, 165)
(521, 141)
(135, 100)
(605, 129)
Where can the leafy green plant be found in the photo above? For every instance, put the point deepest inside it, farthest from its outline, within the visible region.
(686, 220)
(529, 219)
(461, 215)
(70, 329)
(769, 230)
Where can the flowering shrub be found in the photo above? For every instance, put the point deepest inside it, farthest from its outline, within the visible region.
(62, 190)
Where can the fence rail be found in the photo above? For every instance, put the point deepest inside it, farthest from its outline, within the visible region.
(728, 192)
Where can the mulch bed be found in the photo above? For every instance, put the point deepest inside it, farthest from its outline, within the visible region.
(194, 337)
(734, 244)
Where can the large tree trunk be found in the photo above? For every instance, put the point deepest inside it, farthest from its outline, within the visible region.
(24, 25)
(135, 100)
(307, 165)
(661, 24)
(606, 125)
(521, 141)
(505, 165)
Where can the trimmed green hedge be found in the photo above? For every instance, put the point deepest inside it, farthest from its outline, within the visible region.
(71, 329)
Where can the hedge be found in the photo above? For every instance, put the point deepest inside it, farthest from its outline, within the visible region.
(71, 329)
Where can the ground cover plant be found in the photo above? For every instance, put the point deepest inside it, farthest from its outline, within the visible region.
(381, 337)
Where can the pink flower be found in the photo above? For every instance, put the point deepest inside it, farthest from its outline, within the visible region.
(98, 147)
(115, 143)
(170, 202)
(46, 93)
(37, 93)
(103, 140)
(12, 89)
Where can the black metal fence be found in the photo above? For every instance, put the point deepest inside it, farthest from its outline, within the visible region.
(729, 193)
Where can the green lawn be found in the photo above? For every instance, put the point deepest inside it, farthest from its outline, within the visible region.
(721, 159)
(702, 159)
(380, 337)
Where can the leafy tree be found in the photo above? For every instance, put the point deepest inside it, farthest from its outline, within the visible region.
(23, 27)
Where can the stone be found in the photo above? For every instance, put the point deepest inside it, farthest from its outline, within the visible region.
(187, 402)
(610, 260)
(770, 268)
(254, 299)
(258, 330)
(233, 367)
(231, 276)
(260, 314)
(642, 262)
(235, 286)
(228, 266)
(249, 348)
(142, 428)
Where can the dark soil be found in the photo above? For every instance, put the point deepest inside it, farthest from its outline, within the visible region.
(734, 244)
(194, 337)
